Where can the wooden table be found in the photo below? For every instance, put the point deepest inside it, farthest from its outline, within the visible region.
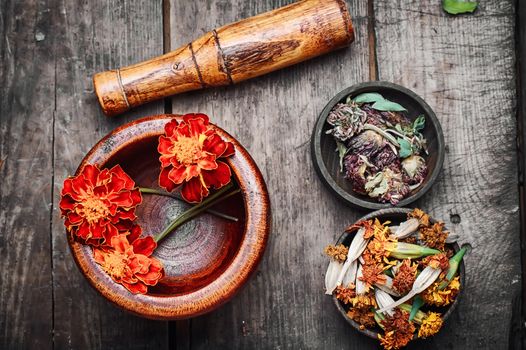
(465, 67)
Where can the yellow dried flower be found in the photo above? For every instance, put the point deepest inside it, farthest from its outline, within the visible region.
(430, 325)
(434, 296)
(345, 295)
(338, 252)
(434, 236)
(404, 279)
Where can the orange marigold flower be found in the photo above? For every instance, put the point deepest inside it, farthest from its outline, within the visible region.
(361, 310)
(398, 330)
(434, 236)
(338, 252)
(434, 296)
(430, 326)
(405, 277)
(130, 264)
(99, 204)
(190, 150)
(437, 261)
(345, 295)
(422, 217)
(373, 273)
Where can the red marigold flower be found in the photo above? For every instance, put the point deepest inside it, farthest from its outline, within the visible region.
(189, 156)
(99, 204)
(129, 263)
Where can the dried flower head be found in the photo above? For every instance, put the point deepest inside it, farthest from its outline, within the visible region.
(437, 261)
(337, 252)
(398, 330)
(361, 310)
(373, 273)
(347, 119)
(419, 214)
(430, 326)
(434, 236)
(364, 318)
(434, 296)
(345, 295)
(404, 279)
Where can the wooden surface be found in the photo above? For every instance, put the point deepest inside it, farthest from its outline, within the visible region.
(464, 67)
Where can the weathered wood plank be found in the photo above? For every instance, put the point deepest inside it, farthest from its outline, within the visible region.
(283, 305)
(95, 36)
(464, 67)
(27, 75)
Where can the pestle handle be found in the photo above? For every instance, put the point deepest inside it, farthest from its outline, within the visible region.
(230, 54)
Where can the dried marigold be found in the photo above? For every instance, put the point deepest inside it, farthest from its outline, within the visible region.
(338, 252)
(399, 330)
(436, 297)
(419, 214)
(404, 279)
(345, 295)
(129, 263)
(189, 154)
(99, 204)
(437, 261)
(410, 240)
(367, 224)
(434, 236)
(373, 273)
(430, 325)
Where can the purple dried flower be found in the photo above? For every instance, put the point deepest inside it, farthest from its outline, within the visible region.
(347, 119)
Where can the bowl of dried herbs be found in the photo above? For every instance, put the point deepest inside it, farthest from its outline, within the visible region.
(377, 145)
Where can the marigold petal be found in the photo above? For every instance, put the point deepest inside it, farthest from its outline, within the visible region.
(165, 144)
(217, 178)
(230, 150)
(178, 175)
(121, 199)
(66, 203)
(135, 232)
(90, 173)
(128, 181)
(215, 144)
(164, 180)
(136, 288)
(144, 246)
(120, 243)
(170, 127)
(199, 123)
(193, 191)
(208, 162)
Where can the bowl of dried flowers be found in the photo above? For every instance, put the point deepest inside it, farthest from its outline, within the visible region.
(167, 216)
(396, 275)
(377, 145)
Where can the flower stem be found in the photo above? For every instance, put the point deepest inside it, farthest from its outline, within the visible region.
(176, 196)
(454, 262)
(417, 304)
(217, 197)
(376, 129)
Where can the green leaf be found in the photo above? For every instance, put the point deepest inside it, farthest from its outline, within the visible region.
(388, 106)
(342, 151)
(455, 7)
(368, 97)
(419, 123)
(405, 148)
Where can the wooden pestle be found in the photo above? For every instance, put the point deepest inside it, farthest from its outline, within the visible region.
(230, 54)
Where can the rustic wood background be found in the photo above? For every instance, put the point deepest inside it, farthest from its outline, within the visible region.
(466, 67)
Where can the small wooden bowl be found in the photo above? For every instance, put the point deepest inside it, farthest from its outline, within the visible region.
(208, 259)
(326, 160)
(397, 215)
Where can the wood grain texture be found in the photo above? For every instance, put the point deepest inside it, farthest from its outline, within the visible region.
(27, 77)
(283, 305)
(94, 36)
(463, 67)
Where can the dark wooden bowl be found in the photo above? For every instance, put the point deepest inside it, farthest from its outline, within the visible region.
(326, 160)
(208, 259)
(397, 215)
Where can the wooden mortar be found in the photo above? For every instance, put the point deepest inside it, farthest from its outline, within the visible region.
(230, 54)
